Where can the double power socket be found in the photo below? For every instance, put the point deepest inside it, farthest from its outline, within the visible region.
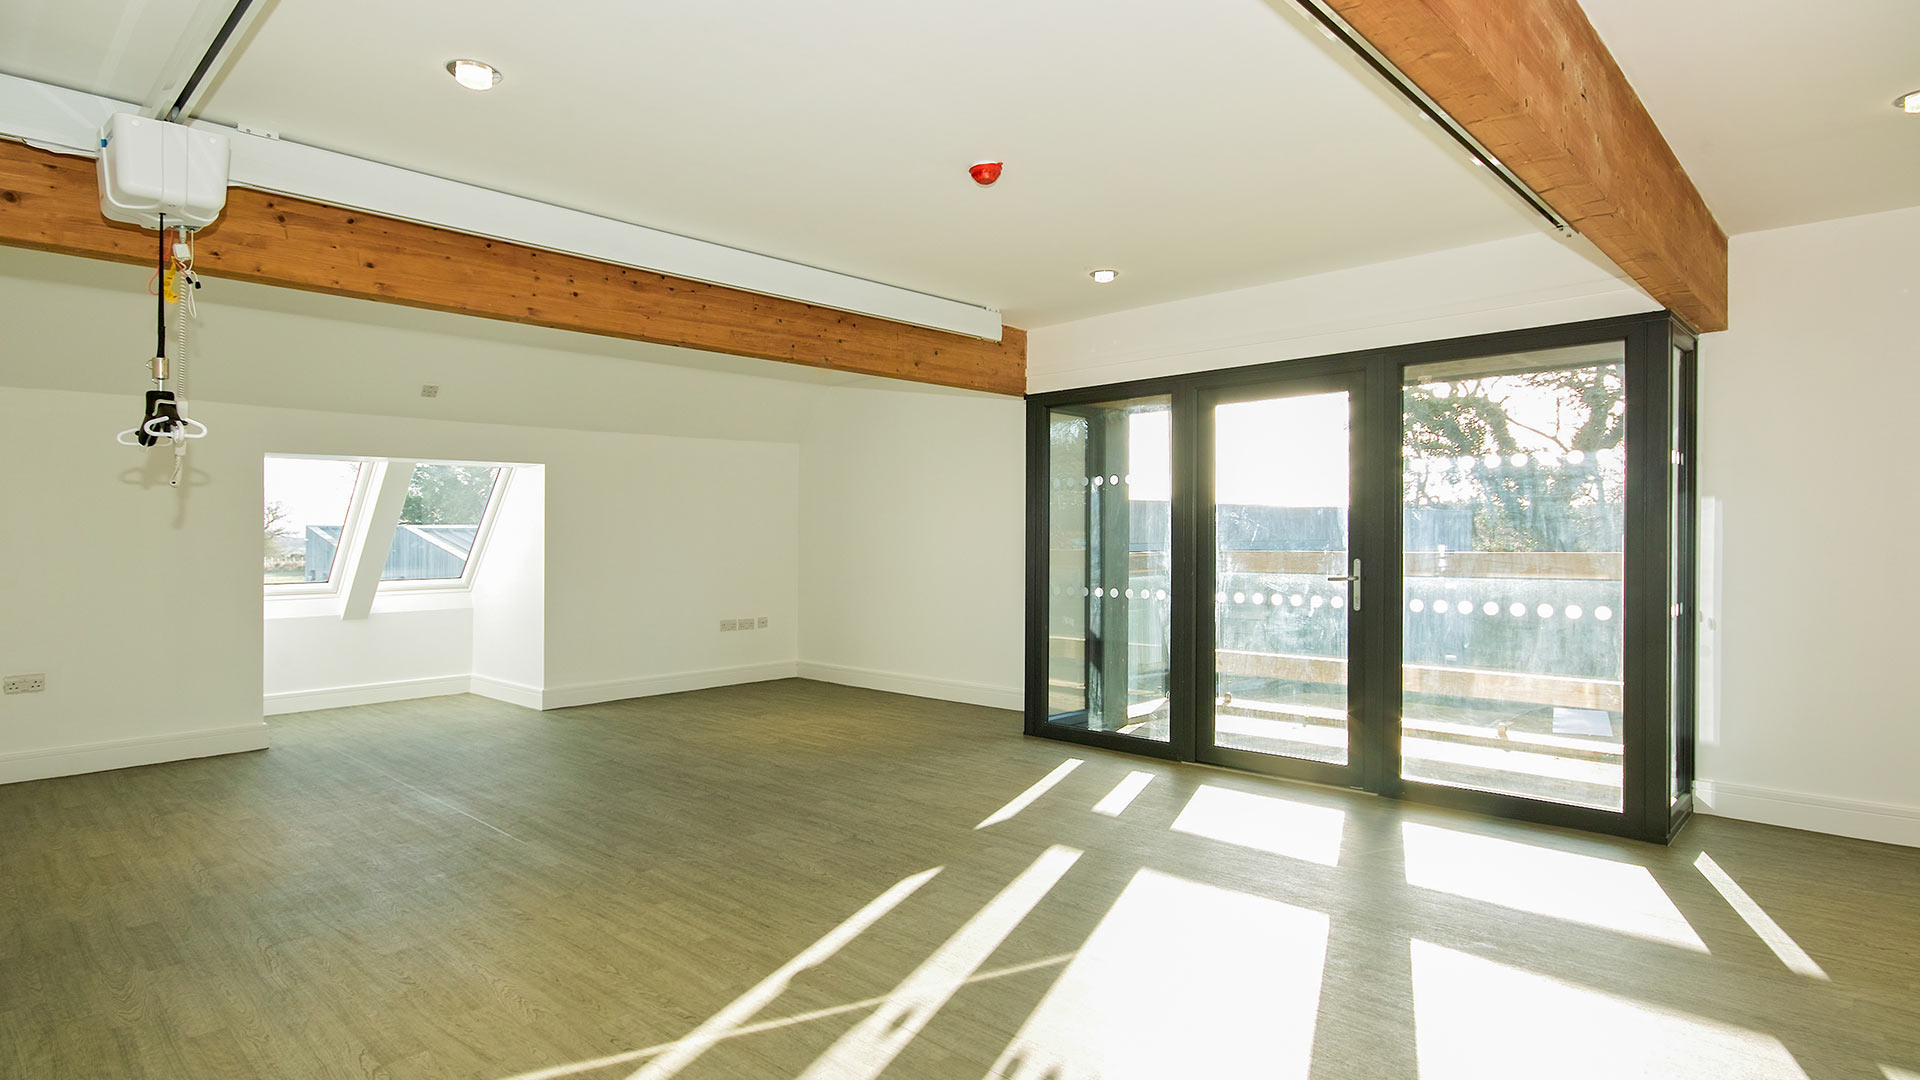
(25, 684)
(759, 623)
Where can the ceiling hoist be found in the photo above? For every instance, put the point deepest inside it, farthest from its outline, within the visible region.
(158, 172)
(165, 418)
(173, 179)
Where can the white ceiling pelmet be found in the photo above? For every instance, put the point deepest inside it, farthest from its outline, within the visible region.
(69, 121)
(1537, 280)
(1781, 111)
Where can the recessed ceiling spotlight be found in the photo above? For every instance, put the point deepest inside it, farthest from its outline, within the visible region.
(473, 74)
(1908, 102)
(1104, 276)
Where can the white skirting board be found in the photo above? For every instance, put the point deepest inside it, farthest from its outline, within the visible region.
(127, 753)
(1887, 823)
(340, 697)
(564, 697)
(531, 697)
(513, 693)
(970, 693)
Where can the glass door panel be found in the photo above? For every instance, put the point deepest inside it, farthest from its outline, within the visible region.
(1282, 469)
(1109, 547)
(1514, 532)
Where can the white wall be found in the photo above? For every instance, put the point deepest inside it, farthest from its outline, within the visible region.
(322, 661)
(651, 541)
(141, 604)
(120, 588)
(912, 557)
(510, 596)
(1526, 281)
(1806, 431)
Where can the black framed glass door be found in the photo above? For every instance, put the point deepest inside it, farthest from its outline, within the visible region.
(1459, 572)
(1108, 607)
(1514, 511)
(1277, 477)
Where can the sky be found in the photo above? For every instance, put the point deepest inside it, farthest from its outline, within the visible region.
(312, 491)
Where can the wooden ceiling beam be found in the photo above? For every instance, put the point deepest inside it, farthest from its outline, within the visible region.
(1533, 82)
(50, 202)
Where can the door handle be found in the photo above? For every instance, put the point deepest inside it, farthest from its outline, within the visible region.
(1354, 578)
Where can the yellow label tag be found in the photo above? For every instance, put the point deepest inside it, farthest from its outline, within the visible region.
(166, 287)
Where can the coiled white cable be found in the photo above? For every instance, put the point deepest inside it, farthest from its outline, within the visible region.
(180, 323)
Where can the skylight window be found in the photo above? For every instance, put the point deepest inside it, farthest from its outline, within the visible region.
(327, 524)
(308, 505)
(441, 522)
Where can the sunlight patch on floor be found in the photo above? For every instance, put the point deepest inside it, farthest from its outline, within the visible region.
(1116, 801)
(1777, 939)
(1133, 1004)
(1585, 889)
(558, 1072)
(1273, 824)
(744, 1007)
(871, 1046)
(1026, 798)
(1475, 1019)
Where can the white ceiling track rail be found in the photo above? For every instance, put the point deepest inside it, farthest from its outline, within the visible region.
(69, 122)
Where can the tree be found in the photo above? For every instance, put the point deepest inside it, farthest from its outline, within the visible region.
(447, 495)
(1543, 505)
(275, 528)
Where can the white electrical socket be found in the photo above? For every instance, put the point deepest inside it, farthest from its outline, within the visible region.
(728, 624)
(763, 622)
(25, 684)
(746, 623)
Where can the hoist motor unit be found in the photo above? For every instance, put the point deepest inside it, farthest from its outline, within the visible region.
(149, 168)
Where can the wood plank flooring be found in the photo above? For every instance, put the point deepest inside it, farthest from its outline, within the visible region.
(786, 879)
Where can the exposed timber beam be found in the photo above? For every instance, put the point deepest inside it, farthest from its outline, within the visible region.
(50, 202)
(1532, 82)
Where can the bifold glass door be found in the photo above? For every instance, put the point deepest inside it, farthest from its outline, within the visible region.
(1458, 572)
(1514, 541)
(1277, 482)
(1109, 600)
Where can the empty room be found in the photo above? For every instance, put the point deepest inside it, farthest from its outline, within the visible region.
(1064, 540)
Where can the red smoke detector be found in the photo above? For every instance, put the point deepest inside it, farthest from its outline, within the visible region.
(985, 173)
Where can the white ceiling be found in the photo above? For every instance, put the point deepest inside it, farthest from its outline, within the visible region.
(1781, 110)
(1199, 146)
(118, 48)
